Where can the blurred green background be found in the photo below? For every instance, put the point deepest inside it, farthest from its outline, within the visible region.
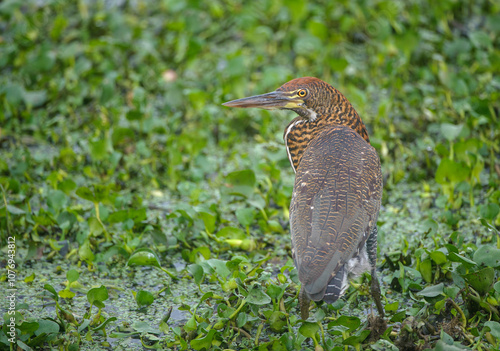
(113, 139)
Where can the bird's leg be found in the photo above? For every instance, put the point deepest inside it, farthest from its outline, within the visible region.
(375, 287)
(304, 303)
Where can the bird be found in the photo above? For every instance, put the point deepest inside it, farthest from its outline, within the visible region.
(337, 191)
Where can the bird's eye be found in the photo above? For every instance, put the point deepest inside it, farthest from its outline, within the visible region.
(302, 92)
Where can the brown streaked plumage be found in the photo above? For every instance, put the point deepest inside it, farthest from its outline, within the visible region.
(337, 191)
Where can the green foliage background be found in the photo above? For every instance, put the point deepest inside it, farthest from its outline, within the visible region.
(114, 148)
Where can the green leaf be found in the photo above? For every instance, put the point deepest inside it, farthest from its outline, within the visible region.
(231, 233)
(72, 275)
(197, 272)
(144, 298)
(66, 294)
(277, 321)
(51, 289)
(15, 210)
(85, 252)
(205, 342)
(99, 294)
(309, 329)
(240, 183)
(47, 326)
(487, 255)
(245, 216)
(438, 257)
(490, 211)
(219, 266)
(494, 328)
(432, 291)
(451, 131)
(208, 220)
(425, 268)
(85, 193)
(350, 322)
(454, 257)
(481, 281)
(144, 257)
(257, 296)
(356, 339)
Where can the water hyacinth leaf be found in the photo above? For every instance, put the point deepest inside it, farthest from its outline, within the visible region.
(497, 286)
(257, 296)
(231, 233)
(309, 329)
(451, 131)
(245, 216)
(96, 296)
(494, 328)
(425, 269)
(144, 257)
(205, 342)
(216, 265)
(356, 339)
(209, 221)
(275, 292)
(197, 272)
(66, 294)
(85, 193)
(450, 171)
(489, 211)
(240, 183)
(47, 326)
(350, 322)
(85, 252)
(454, 257)
(481, 281)
(487, 255)
(51, 289)
(144, 298)
(15, 210)
(438, 257)
(432, 291)
(277, 321)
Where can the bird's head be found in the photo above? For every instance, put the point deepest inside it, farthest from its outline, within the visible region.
(309, 97)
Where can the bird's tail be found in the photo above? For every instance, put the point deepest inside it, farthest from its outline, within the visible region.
(336, 287)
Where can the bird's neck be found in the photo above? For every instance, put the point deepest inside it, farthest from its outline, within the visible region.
(301, 131)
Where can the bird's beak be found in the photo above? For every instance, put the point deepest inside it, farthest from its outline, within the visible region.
(269, 101)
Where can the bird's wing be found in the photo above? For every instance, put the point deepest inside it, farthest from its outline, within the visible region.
(335, 202)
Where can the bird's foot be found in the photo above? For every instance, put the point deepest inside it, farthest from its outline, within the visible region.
(304, 303)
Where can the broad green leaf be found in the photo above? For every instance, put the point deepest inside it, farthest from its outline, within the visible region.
(144, 298)
(205, 342)
(489, 211)
(481, 281)
(432, 291)
(277, 321)
(144, 257)
(257, 296)
(438, 257)
(425, 268)
(487, 255)
(350, 322)
(309, 329)
(85, 193)
(494, 328)
(99, 294)
(451, 131)
(245, 216)
(72, 275)
(197, 271)
(240, 183)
